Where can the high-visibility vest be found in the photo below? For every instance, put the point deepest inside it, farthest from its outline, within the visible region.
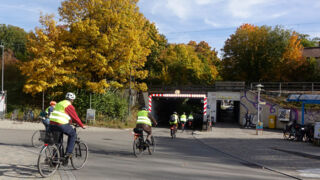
(190, 117)
(143, 118)
(58, 115)
(183, 118)
(175, 119)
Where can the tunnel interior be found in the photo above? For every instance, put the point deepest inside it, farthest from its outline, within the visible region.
(163, 108)
(228, 111)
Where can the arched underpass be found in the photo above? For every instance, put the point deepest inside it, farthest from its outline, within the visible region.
(163, 108)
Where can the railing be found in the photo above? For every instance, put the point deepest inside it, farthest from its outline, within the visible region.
(288, 87)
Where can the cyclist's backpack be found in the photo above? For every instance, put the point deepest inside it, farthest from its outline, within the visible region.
(172, 118)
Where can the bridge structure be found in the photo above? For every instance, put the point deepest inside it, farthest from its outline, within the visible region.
(212, 102)
(162, 101)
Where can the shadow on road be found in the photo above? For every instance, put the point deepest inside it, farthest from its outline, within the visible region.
(18, 171)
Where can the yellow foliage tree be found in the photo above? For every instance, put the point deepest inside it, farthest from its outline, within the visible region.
(101, 44)
(50, 58)
(111, 41)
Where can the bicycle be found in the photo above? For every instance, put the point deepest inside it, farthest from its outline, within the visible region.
(38, 136)
(140, 144)
(173, 131)
(182, 126)
(52, 154)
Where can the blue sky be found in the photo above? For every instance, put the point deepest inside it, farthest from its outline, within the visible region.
(180, 21)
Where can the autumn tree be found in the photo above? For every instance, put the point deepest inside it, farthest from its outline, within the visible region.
(111, 42)
(181, 65)
(154, 64)
(101, 44)
(52, 59)
(261, 54)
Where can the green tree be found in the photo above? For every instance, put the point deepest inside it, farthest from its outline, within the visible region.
(261, 54)
(14, 38)
(307, 42)
(153, 64)
(181, 65)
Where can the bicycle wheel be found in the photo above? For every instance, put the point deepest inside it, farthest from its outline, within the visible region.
(152, 146)
(36, 140)
(48, 160)
(80, 155)
(137, 147)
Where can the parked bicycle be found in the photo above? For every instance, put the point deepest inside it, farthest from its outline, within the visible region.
(38, 136)
(140, 144)
(52, 155)
(173, 131)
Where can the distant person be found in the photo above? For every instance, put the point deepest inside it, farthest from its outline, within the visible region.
(190, 120)
(248, 118)
(48, 111)
(174, 120)
(183, 120)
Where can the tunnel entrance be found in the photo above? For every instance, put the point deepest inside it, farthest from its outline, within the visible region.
(228, 111)
(163, 108)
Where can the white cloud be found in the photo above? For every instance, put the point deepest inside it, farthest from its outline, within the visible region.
(203, 2)
(245, 9)
(179, 7)
(277, 15)
(212, 23)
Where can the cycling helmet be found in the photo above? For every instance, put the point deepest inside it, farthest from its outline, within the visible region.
(52, 103)
(70, 96)
(174, 112)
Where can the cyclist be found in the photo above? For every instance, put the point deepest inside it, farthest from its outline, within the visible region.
(48, 111)
(144, 122)
(174, 119)
(183, 120)
(190, 120)
(60, 119)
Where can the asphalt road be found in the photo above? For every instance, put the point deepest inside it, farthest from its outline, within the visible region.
(185, 158)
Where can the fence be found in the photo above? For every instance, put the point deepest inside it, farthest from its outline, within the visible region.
(288, 87)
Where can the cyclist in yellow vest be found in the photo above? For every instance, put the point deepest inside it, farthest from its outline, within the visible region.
(144, 122)
(174, 120)
(190, 120)
(61, 117)
(183, 120)
(48, 111)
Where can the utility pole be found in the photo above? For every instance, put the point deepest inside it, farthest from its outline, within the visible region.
(129, 104)
(258, 126)
(2, 73)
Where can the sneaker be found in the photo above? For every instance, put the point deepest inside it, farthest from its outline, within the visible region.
(148, 142)
(66, 159)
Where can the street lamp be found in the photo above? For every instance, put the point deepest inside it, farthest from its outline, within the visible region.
(258, 126)
(2, 73)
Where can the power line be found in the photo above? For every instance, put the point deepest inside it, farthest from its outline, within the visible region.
(233, 28)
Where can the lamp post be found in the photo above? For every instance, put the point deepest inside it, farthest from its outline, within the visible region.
(258, 126)
(2, 73)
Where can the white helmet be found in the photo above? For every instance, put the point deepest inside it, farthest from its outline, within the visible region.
(70, 96)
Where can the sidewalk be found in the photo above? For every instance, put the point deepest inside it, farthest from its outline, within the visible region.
(18, 161)
(268, 150)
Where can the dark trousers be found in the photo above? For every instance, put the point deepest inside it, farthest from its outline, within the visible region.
(69, 131)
